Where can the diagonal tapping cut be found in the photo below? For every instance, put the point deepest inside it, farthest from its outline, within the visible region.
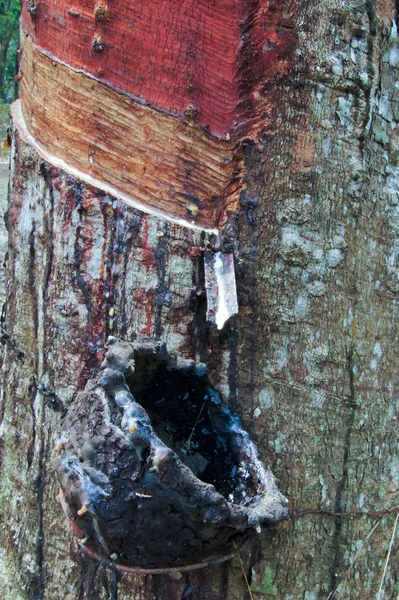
(152, 103)
(157, 163)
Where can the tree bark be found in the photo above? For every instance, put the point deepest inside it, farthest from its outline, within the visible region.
(309, 363)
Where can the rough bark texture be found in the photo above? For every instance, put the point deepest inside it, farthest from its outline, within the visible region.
(310, 362)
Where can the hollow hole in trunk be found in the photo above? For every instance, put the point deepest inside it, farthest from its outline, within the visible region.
(189, 416)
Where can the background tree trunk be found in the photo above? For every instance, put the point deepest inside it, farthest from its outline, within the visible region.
(310, 362)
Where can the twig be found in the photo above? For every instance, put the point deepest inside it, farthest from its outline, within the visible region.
(332, 595)
(343, 513)
(388, 556)
(188, 443)
(243, 572)
(380, 515)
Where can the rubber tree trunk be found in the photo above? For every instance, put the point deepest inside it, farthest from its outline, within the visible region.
(310, 362)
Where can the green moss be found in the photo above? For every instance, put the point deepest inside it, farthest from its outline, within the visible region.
(4, 119)
(266, 585)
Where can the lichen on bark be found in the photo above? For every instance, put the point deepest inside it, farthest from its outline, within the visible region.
(310, 361)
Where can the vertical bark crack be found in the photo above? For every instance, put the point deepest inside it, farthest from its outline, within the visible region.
(161, 292)
(339, 504)
(80, 281)
(39, 485)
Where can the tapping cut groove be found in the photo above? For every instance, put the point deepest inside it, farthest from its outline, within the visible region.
(151, 160)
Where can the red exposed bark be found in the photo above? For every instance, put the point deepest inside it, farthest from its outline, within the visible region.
(151, 159)
(215, 66)
(198, 56)
(170, 54)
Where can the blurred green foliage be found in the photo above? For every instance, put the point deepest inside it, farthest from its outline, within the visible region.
(9, 43)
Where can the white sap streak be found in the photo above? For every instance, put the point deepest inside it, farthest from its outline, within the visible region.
(18, 118)
(227, 304)
(222, 313)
